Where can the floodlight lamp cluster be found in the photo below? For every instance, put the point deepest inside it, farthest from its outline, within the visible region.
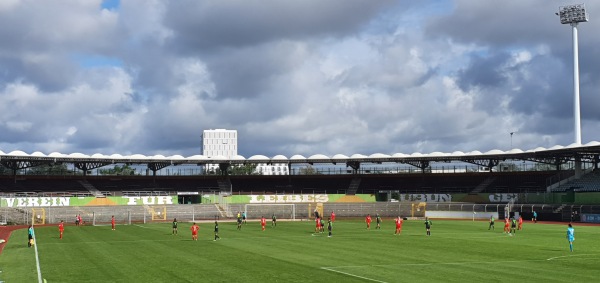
(573, 14)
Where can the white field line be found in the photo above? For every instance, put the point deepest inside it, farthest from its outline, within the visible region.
(460, 263)
(333, 268)
(37, 259)
(353, 275)
(567, 256)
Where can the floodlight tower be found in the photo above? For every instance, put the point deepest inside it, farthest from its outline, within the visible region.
(573, 15)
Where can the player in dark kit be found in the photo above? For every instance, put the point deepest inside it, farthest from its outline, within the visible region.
(239, 222)
(274, 220)
(513, 226)
(217, 231)
(329, 226)
(174, 226)
(491, 223)
(378, 220)
(428, 226)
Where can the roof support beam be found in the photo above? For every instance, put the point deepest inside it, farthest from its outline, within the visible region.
(16, 165)
(489, 163)
(155, 166)
(355, 165)
(85, 166)
(224, 167)
(421, 164)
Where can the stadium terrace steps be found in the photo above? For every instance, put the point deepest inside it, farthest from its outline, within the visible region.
(354, 185)
(225, 185)
(590, 182)
(483, 185)
(95, 192)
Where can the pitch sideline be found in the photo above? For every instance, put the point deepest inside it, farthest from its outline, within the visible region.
(353, 275)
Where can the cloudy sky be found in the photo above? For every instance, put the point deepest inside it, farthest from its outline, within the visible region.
(293, 77)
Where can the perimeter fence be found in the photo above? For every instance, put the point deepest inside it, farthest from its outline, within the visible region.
(101, 215)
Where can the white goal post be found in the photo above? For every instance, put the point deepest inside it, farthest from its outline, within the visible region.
(104, 218)
(285, 211)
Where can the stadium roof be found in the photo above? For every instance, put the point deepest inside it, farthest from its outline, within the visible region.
(587, 151)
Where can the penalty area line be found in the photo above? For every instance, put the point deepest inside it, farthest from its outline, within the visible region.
(566, 256)
(353, 275)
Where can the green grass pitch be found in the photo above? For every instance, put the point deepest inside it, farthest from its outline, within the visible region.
(457, 251)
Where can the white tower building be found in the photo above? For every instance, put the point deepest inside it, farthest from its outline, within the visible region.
(222, 142)
(219, 142)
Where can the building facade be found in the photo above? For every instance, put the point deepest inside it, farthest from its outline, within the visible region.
(219, 142)
(222, 142)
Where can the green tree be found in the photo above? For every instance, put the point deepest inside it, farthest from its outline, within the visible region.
(118, 170)
(49, 169)
(242, 169)
(308, 170)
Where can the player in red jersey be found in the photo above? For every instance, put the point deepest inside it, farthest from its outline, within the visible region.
(332, 216)
(318, 225)
(79, 220)
(61, 228)
(368, 220)
(195, 228)
(112, 222)
(506, 224)
(263, 222)
(520, 222)
(399, 221)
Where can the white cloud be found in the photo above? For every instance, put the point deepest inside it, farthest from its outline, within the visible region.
(311, 78)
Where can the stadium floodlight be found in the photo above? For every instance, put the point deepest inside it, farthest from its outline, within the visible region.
(573, 15)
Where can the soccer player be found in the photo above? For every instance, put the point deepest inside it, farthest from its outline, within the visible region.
(571, 236)
(491, 223)
(274, 220)
(534, 219)
(195, 228)
(112, 222)
(61, 228)
(244, 217)
(322, 225)
(520, 222)
(399, 221)
(378, 220)
(329, 226)
(174, 226)
(513, 226)
(428, 226)
(506, 224)
(30, 236)
(80, 219)
(368, 220)
(263, 222)
(318, 225)
(239, 223)
(332, 216)
(217, 231)
(76, 220)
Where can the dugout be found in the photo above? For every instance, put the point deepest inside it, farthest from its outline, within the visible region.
(189, 198)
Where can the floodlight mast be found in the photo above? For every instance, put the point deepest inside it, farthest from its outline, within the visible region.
(574, 14)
